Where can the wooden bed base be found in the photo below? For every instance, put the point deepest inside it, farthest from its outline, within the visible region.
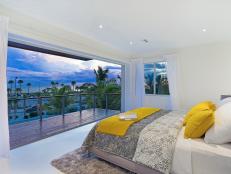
(122, 162)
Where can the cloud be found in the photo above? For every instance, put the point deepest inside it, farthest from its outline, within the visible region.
(39, 69)
(51, 63)
(13, 72)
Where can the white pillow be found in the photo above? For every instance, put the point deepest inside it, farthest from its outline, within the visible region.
(220, 132)
(222, 102)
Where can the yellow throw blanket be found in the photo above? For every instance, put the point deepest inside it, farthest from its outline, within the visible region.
(115, 126)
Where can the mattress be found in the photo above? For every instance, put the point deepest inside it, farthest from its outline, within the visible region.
(194, 156)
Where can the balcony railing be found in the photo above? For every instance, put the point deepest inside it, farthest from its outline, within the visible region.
(23, 109)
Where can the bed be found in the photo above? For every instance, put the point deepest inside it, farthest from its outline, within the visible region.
(153, 146)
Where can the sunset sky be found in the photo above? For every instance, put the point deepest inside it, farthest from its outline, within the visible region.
(39, 69)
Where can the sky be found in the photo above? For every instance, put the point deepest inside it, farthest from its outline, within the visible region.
(40, 69)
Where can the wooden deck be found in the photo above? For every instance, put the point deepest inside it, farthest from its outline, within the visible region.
(29, 132)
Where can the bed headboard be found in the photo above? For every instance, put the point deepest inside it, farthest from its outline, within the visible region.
(225, 96)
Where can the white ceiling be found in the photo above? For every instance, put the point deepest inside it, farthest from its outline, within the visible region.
(167, 24)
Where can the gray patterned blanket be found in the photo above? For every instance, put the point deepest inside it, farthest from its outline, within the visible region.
(130, 146)
(157, 141)
(121, 146)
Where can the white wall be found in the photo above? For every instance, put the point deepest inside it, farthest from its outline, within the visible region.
(159, 101)
(204, 74)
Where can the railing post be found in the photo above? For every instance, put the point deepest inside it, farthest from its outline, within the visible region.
(106, 103)
(15, 108)
(40, 108)
(24, 106)
(80, 105)
(63, 109)
(94, 103)
(120, 103)
(63, 106)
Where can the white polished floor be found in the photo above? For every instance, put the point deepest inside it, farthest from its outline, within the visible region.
(35, 158)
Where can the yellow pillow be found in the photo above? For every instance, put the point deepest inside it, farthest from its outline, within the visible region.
(207, 105)
(199, 123)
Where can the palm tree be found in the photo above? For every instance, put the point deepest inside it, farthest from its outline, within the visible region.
(20, 82)
(119, 79)
(101, 74)
(73, 83)
(18, 91)
(150, 83)
(28, 88)
(56, 101)
(77, 88)
(52, 84)
(9, 91)
(11, 82)
(15, 84)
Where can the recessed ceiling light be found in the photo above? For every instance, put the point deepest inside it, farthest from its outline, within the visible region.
(145, 40)
(204, 30)
(101, 26)
(131, 43)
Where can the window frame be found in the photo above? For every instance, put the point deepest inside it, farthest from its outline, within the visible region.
(154, 77)
(45, 50)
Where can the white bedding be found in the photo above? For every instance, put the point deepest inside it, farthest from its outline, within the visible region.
(194, 156)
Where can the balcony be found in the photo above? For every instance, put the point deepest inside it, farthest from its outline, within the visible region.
(35, 118)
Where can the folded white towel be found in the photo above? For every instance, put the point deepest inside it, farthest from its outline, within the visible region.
(128, 116)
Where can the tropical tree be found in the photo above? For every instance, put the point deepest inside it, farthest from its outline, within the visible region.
(101, 74)
(119, 78)
(149, 89)
(59, 96)
(102, 91)
(104, 86)
(162, 85)
(18, 91)
(52, 84)
(9, 90)
(15, 84)
(114, 100)
(77, 88)
(73, 83)
(11, 82)
(20, 82)
(28, 88)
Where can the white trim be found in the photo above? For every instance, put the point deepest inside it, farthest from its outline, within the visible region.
(123, 88)
(161, 95)
(36, 43)
(4, 126)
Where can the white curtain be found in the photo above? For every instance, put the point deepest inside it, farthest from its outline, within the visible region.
(172, 73)
(4, 128)
(138, 83)
(126, 87)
